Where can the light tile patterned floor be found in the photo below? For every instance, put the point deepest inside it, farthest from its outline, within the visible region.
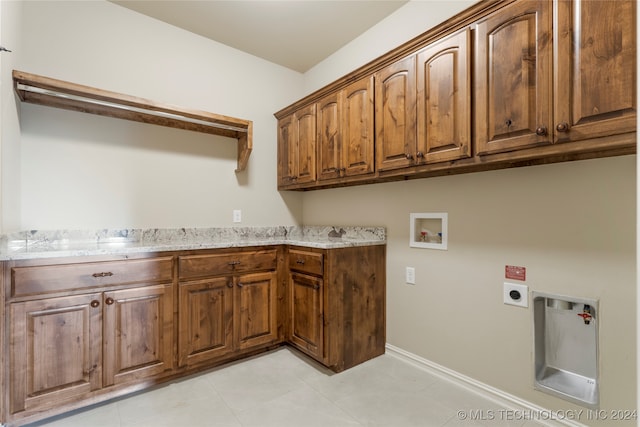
(285, 389)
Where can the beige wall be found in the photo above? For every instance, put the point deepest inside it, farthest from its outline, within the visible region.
(84, 171)
(572, 225)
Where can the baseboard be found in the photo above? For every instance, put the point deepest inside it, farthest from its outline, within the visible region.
(523, 407)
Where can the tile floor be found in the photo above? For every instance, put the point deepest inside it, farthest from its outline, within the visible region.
(283, 388)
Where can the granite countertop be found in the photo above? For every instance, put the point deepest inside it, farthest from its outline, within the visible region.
(35, 244)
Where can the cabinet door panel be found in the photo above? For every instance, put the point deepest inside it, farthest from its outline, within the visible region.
(306, 314)
(305, 138)
(55, 351)
(444, 99)
(395, 101)
(206, 320)
(357, 127)
(138, 333)
(286, 151)
(256, 306)
(513, 78)
(329, 137)
(595, 69)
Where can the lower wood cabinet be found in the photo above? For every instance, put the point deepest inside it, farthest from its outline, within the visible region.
(337, 311)
(77, 331)
(226, 304)
(56, 351)
(221, 315)
(64, 348)
(306, 316)
(137, 333)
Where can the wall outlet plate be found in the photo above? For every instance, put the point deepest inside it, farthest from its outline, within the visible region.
(516, 294)
(410, 275)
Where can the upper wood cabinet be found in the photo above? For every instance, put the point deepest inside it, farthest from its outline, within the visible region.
(444, 98)
(504, 83)
(297, 147)
(339, 126)
(513, 70)
(328, 116)
(395, 105)
(357, 128)
(595, 68)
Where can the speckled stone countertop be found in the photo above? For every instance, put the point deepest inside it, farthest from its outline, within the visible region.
(62, 243)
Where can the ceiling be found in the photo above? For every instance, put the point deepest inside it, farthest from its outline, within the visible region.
(296, 34)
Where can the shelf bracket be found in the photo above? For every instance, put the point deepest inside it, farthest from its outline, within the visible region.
(70, 96)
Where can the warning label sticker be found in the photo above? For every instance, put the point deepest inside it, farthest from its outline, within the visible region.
(515, 272)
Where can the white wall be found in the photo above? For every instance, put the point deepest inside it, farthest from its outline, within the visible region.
(572, 225)
(11, 38)
(85, 171)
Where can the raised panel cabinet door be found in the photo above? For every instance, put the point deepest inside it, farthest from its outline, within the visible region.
(286, 151)
(307, 331)
(138, 333)
(256, 309)
(357, 128)
(595, 73)
(305, 143)
(444, 99)
(395, 114)
(329, 137)
(205, 312)
(513, 78)
(55, 351)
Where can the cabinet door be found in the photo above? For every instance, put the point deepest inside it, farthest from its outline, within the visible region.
(513, 78)
(256, 309)
(595, 68)
(138, 333)
(357, 128)
(286, 151)
(329, 137)
(395, 104)
(206, 320)
(305, 145)
(444, 99)
(56, 351)
(307, 331)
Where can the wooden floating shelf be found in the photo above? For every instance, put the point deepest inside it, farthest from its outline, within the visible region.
(70, 96)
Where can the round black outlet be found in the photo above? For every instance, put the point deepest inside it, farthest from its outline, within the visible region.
(515, 295)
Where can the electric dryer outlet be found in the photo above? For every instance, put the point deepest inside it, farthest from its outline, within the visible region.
(516, 294)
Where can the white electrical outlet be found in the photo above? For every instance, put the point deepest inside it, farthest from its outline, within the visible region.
(410, 274)
(237, 215)
(516, 294)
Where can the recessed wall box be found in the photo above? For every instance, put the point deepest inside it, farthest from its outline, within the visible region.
(428, 230)
(566, 347)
